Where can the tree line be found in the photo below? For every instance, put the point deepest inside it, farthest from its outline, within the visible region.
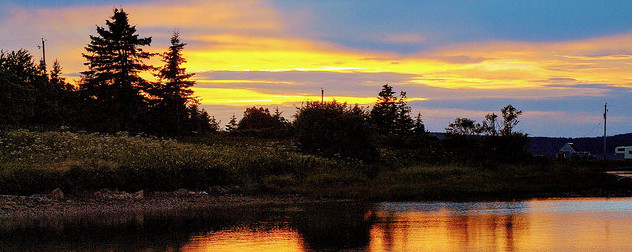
(112, 96)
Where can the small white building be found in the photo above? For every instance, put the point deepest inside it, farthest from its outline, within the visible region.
(569, 151)
(626, 151)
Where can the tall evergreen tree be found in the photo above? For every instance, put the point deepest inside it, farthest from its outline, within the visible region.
(232, 124)
(404, 124)
(18, 87)
(384, 112)
(114, 91)
(173, 92)
(390, 114)
(27, 95)
(418, 126)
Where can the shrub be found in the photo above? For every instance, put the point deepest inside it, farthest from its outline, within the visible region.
(334, 129)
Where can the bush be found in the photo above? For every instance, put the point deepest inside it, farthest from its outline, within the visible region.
(334, 129)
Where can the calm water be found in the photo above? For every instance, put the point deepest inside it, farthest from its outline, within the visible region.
(593, 224)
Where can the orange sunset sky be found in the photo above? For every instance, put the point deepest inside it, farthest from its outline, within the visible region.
(558, 61)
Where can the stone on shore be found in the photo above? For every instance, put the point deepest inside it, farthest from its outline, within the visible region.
(57, 194)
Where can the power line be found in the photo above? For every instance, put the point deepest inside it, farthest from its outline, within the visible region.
(593, 129)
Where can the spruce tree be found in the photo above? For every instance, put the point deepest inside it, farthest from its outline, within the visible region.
(232, 124)
(112, 87)
(418, 127)
(173, 91)
(56, 80)
(404, 124)
(384, 112)
(390, 114)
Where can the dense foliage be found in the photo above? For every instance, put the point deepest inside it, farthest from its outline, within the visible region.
(28, 96)
(334, 129)
(391, 115)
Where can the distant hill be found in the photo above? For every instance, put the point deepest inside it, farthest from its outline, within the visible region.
(548, 146)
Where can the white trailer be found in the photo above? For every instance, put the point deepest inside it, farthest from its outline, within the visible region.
(626, 151)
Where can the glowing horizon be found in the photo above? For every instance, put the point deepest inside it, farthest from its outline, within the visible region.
(268, 53)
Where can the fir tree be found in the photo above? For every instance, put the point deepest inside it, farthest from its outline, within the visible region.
(173, 92)
(403, 122)
(56, 80)
(176, 90)
(232, 124)
(384, 112)
(390, 114)
(112, 85)
(418, 127)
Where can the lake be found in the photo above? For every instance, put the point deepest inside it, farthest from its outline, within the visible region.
(594, 224)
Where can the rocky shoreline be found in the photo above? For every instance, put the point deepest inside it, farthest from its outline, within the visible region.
(105, 202)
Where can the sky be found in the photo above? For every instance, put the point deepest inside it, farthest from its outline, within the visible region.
(557, 61)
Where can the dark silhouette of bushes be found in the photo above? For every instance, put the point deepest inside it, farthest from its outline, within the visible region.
(259, 122)
(334, 129)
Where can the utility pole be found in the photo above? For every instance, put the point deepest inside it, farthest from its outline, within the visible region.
(322, 96)
(43, 61)
(605, 111)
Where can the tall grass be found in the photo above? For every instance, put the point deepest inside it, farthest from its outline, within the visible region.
(32, 162)
(37, 162)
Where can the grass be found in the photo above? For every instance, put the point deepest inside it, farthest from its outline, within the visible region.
(35, 162)
(38, 162)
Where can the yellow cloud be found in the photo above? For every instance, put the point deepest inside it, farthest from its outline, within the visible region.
(251, 36)
(241, 97)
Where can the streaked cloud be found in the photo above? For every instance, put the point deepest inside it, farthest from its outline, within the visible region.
(262, 52)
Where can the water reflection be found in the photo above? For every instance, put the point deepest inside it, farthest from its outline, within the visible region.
(447, 226)
(551, 225)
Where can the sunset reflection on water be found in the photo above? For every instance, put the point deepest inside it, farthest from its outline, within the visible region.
(281, 240)
(551, 225)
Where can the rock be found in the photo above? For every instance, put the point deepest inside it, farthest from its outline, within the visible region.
(216, 190)
(181, 192)
(102, 193)
(139, 195)
(116, 195)
(57, 194)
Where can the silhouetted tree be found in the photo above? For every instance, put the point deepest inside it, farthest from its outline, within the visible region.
(488, 127)
(463, 126)
(403, 122)
(390, 114)
(113, 90)
(510, 119)
(277, 115)
(492, 148)
(232, 124)
(385, 111)
(26, 95)
(65, 98)
(173, 93)
(199, 121)
(418, 126)
(18, 75)
(332, 129)
(56, 80)
(260, 118)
